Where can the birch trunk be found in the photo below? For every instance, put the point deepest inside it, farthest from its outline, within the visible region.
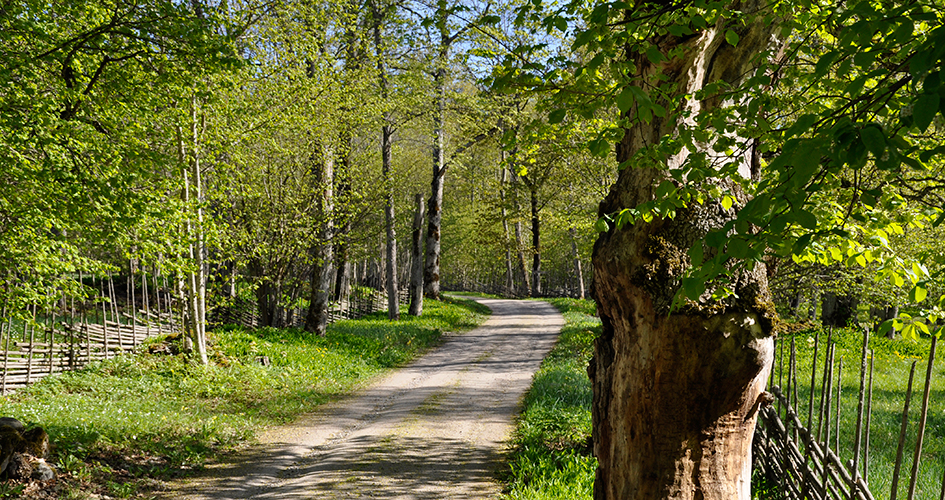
(201, 247)
(676, 392)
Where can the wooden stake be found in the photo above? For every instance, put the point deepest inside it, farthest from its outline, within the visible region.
(902, 437)
(922, 419)
(859, 407)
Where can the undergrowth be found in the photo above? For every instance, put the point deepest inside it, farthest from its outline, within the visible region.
(122, 426)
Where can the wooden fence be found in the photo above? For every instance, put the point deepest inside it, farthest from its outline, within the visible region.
(800, 452)
(32, 350)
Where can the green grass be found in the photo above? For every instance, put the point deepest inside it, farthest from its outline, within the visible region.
(134, 419)
(550, 457)
(893, 359)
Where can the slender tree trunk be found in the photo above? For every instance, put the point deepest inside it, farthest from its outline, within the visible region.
(578, 273)
(316, 321)
(342, 243)
(536, 243)
(524, 284)
(676, 391)
(393, 305)
(416, 261)
(342, 266)
(191, 288)
(201, 246)
(509, 273)
(431, 270)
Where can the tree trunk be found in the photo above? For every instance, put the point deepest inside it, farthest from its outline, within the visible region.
(416, 261)
(578, 273)
(196, 278)
(431, 268)
(524, 288)
(838, 310)
(342, 243)
(393, 305)
(676, 391)
(509, 273)
(316, 321)
(201, 246)
(536, 243)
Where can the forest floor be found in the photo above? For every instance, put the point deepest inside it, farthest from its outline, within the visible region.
(437, 428)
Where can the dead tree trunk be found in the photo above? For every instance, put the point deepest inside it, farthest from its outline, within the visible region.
(676, 391)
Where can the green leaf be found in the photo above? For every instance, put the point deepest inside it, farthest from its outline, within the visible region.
(602, 226)
(897, 279)
(909, 332)
(654, 55)
(696, 253)
(557, 116)
(624, 100)
(738, 248)
(801, 244)
(924, 109)
(694, 287)
(664, 189)
(727, 202)
(801, 126)
(805, 219)
(873, 139)
(823, 64)
(731, 37)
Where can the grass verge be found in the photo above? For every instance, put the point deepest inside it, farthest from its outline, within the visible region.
(121, 427)
(551, 457)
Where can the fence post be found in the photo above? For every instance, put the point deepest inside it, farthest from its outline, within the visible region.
(922, 418)
(894, 492)
(859, 409)
(869, 417)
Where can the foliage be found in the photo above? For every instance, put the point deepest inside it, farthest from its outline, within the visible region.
(842, 113)
(79, 93)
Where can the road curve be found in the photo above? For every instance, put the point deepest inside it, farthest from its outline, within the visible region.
(433, 430)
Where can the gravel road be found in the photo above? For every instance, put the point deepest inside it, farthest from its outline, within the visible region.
(436, 429)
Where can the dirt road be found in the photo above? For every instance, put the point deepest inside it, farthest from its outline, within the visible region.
(433, 430)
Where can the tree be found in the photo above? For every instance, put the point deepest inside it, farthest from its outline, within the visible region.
(716, 178)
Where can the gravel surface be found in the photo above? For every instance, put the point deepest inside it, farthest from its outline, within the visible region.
(436, 429)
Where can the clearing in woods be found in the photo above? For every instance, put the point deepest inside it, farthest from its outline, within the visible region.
(435, 429)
